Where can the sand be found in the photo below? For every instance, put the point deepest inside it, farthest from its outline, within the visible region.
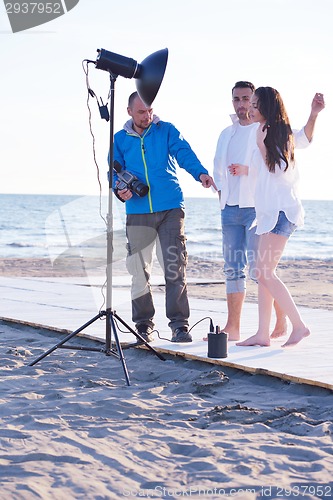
(72, 429)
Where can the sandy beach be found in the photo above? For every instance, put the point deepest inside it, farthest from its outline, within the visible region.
(71, 428)
(309, 281)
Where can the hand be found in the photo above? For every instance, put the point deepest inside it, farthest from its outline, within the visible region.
(207, 181)
(318, 103)
(125, 194)
(237, 169)
(261, 134)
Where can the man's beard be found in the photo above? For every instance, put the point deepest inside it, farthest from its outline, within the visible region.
(143, 124)
(242, 115)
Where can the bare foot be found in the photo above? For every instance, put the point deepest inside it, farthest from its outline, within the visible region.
(280, 329)
(233, 338)
(233, 333)
(296, 336)
(257, 339)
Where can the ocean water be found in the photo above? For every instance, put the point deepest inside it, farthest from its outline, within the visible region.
(45, 226)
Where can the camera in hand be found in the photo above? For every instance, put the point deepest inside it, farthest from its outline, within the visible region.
(129, 181)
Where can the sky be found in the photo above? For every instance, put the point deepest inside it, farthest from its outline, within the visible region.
(46, 144)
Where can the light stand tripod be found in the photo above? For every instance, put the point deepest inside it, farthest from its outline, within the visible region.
(150, 73)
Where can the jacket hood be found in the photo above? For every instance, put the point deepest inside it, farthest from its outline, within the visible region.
(128, 127)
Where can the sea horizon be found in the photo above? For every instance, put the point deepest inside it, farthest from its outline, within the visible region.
(46, 225)
(80, 195)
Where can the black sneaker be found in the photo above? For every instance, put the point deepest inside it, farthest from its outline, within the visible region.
(146, 332)
(181, 335)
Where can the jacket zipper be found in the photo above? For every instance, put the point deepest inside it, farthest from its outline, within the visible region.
(146, 170)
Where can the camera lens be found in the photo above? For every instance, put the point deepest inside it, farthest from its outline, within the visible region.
(139, 188)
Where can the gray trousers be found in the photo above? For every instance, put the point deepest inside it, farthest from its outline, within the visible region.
(165, 230)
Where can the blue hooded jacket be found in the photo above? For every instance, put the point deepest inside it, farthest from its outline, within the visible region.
(153, 159)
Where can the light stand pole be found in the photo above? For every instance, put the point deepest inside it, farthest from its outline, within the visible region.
(109, 233)
(150, 74)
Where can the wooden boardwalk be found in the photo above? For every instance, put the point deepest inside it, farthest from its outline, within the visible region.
(64, 304)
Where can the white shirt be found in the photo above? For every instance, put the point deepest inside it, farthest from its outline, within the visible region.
(237, 153)
(277, 191)
(222, 176)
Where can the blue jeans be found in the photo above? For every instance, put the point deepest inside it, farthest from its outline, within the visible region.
(240, 246)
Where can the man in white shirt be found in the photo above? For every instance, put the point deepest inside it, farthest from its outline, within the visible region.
(236, 193)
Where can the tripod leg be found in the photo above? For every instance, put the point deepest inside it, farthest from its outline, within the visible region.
(109, 317)
(59, 344)
(138, 336)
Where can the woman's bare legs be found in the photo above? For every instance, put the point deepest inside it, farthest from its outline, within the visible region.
(271, 247)
(265, 303)
(281, 325)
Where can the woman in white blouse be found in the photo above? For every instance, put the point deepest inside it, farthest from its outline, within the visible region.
(278, 208)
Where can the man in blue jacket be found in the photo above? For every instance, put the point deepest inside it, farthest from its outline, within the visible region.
(150, 149)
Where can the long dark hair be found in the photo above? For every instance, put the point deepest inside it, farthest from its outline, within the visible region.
(279, 139)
